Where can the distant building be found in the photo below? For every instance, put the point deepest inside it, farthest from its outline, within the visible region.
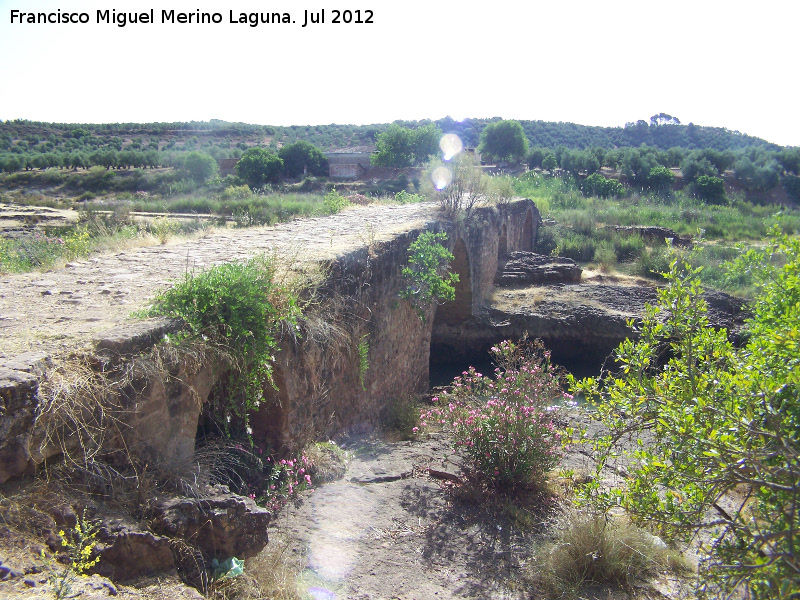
(227, 166)
(349, 163)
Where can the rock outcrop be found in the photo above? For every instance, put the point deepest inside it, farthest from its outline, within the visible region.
(529, 268)
(657, 234)
(19, 402)
(219, 524)
(578, 323)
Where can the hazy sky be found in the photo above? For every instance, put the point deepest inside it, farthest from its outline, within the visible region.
(727, 64)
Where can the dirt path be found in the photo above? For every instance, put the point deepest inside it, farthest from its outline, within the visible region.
(388, 530)
(64, 308)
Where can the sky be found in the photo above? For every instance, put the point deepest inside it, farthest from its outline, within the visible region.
(725, 64)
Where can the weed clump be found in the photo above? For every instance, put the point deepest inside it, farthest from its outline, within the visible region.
(594, 549)
(242, 309)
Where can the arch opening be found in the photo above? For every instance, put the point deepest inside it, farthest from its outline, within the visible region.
(502, 246)
(460, 309)
(527, 233)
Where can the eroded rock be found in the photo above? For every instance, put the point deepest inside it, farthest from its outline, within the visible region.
(526, 268)
(657, 234)
(220, 524)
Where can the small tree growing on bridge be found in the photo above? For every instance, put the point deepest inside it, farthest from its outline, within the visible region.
(427, 273)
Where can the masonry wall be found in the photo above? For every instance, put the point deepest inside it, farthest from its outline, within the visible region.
(322, 387)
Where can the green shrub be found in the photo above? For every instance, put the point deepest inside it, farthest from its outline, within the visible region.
(597, 185)
(399, 418)
(653, 263)
(403, 197)
(427, 273)
(576, 246)
(627, 247)
(605, 256)
(241, 309)
(722, 457)
(334, 202)
(709, 189)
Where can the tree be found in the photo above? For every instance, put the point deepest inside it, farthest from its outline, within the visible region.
(660, 179)
(198, 166)
(721, 426)
(549, 162)
(425, 142)
(536, 157)
(504, 140)
(259, 166)
(394, 148)
(402, 147)
(664, 119)
(302, 157)
(709, 189)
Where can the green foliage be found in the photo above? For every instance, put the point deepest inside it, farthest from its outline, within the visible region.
(653, 263)
(399, 418)
(709, 189)
(429, 281)
(504, 424)
(500, 189)
(403, 197)
(241, 309)
(597, 185)
(363, 359)
(334, 202)
(200, 167)
(504, 140)
(721, 424)
(259, 166)
(401, 147)
(660, 179)
(549, 162)
(302, 157)
(605, 256)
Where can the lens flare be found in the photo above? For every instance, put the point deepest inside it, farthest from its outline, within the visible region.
(441, 177)
(450, 145)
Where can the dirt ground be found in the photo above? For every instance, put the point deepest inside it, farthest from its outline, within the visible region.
(397, 528)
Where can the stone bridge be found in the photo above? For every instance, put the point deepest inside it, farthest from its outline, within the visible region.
(78, 317)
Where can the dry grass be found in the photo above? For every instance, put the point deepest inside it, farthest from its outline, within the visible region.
(271, 574)
(80, 409)
(328, 460)
(596, 549)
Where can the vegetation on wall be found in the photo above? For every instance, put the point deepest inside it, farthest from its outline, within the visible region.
(242, 309)
(429, 281)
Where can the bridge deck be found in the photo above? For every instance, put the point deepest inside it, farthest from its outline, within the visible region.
(64, 308)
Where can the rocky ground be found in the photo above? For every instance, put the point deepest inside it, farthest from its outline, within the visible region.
(399, 525)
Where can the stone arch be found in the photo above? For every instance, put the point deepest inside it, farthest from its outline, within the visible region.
(502, 246)
(459, 309)
(527, 233)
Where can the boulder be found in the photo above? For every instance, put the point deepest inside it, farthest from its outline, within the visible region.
(529, 268)
(19, 402)
(657, 234)
(127, 551)
(218, 523)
